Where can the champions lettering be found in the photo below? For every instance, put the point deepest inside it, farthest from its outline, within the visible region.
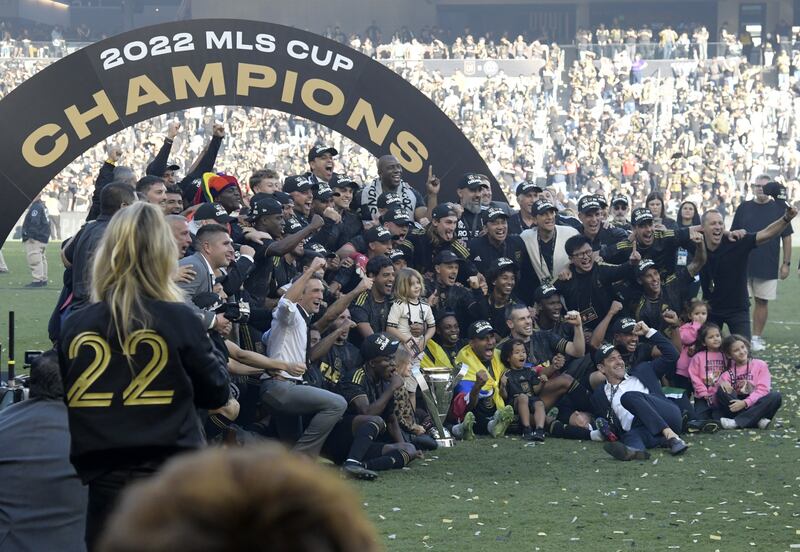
(46, 144)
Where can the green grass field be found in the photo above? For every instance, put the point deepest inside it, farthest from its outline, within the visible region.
(735, 490)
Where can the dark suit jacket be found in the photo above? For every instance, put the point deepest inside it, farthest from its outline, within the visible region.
(644, 372)
(201, 283)
(43, 503)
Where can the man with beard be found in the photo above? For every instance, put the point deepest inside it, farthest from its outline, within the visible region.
(603, 238)
(446, 294)
(724, 276)
(422, 247)
(495, 242)
(469, 197)
(619, 212)
(320, 164)
(478, 405)
(371, 309)
(659, 245)
(587, 287)
(322, 205)
(343, 190)
(524, 219)
(173, 204)
(545, 246)
(442, 349)
(390, 173)
(266, 215)
(299, 187)
(393, 221)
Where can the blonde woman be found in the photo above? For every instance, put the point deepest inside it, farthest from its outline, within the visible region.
(411, 318)
(136, 363)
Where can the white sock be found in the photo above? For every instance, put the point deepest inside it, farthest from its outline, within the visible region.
(595, 435)
(491, 424)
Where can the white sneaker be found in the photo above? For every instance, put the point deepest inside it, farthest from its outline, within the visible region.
(728, 423)
(758, 343)
(763, 423)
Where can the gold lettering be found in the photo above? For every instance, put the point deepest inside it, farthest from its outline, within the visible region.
(36, 159)
(102, 108)
(245, 78)
(289, 86)
(409, 151)
(363, 112)
(337, 97)
(183, 78)
(152, 93)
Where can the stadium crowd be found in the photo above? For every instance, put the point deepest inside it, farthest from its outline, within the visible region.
(247, 275)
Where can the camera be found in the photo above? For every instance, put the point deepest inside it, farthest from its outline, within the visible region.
(235, 312)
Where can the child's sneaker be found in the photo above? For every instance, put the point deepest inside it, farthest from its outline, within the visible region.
(605, 428)
(763, 423)
(538, 435)
(501, 420)
(728, 423)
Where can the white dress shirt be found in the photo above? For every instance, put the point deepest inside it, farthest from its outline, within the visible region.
(630, 383)
(288, 336)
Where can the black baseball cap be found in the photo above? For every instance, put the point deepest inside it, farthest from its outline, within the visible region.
(525, 187)
(479, 329)
(296, 183)
(472, 181)
(322, 192)
(501, 264)
(776, 190)
(641, 215)
(172, 167)
(544, 292)
(212, 211)
(620, 199)
(292, 226)
(624, 326)
(396, 216)
(319, 151)
(645, 265)
(601, 199)
(339, 181)
(379, 345)
(493, 213)
(388, 200)
(264, 206)
(317, 250)
(588, 203)
(541, 206)
(446, 256)
(442, 210)
(283, 198)
(377, 234)
(396, 255)
(602, 352)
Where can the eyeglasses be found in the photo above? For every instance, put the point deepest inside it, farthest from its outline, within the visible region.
(583, 254)
(620, 207)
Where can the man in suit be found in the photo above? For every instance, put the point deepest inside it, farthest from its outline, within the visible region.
(545, 244)
(43, 503)
(635, 403)
(214, 252)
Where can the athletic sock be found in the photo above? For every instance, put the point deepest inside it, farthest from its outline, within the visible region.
(395, 459)
(362, 440)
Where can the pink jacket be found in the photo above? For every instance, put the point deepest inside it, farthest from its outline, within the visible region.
(704, 371)
(758, 375)
(688, 337)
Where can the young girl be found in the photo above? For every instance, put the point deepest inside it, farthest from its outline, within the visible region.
(706, 366)
(411, 318)
(414, 422)
(744, 396)
(697, 314)
(521, 386)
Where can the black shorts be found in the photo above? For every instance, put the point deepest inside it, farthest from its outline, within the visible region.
(532, 400)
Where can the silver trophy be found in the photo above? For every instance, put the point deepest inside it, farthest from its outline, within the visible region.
(436, 384)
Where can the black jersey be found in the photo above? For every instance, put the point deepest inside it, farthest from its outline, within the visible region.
(137, 400)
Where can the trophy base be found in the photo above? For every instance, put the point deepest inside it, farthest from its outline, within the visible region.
(446, 443)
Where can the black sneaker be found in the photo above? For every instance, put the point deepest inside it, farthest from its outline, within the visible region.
(703, 426)
(527, 434)
(605, 428)
(622, 452)
(538, 435)
(676, 446)
(356, 470)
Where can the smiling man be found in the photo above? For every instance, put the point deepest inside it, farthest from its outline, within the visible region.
(320, 163)
(390, 179)
(495, 242)
(545, 245)
(592, 217)
(299, 187)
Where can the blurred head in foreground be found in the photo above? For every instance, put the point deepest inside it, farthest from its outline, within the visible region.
(226, 500)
